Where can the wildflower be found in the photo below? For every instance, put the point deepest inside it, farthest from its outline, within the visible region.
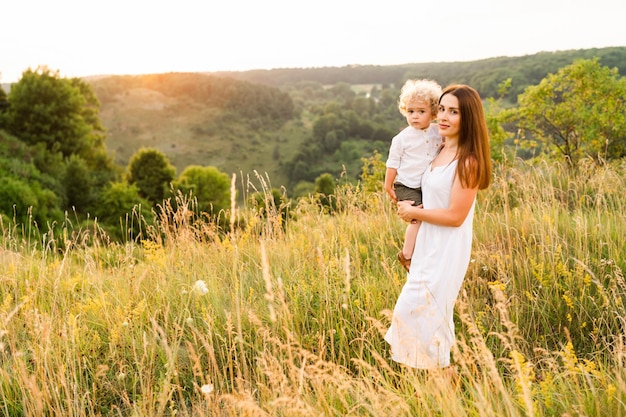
(497, 284)
(568, 301)
(189, 320)
(569, 358)
(207, 389)
(200, 287)
(611, 390)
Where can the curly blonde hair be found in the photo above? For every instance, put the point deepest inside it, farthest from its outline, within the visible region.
(424, 90)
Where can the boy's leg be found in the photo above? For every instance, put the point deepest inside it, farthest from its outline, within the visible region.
(410, 234)
(405, 255)
(409, 239)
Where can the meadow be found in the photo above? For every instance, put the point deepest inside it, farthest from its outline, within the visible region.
(286, 317)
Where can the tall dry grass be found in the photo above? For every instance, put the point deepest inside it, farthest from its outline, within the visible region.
(287, 320)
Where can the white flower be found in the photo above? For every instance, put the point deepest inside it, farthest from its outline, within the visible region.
(207, 389)
(200, 287)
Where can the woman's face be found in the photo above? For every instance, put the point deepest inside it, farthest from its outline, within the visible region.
(449, 117)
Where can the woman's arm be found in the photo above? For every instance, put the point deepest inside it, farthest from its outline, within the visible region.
(461, 200)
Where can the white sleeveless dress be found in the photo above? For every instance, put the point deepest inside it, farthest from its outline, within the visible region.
(422, 328)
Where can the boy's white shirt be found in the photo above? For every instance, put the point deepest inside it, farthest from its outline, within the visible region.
(411, 152)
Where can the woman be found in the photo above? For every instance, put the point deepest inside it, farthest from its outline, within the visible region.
(422, 329)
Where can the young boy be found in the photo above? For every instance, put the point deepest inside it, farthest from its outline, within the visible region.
(412, 150)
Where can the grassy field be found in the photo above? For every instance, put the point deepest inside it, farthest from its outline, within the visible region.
(287, 320)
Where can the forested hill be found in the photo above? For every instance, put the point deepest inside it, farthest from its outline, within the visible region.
(485, 75)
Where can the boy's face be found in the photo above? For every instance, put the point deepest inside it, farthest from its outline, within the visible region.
(418, 114)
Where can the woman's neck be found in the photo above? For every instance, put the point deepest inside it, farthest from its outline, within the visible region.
(451, 144)
(447, 154)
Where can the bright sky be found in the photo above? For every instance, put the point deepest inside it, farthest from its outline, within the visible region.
(81, 38)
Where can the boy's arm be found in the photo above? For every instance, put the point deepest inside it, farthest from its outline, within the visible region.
(390, 177)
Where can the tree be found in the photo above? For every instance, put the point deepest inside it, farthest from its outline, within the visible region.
(579, 111)
(78, 184)
(16, 199)
(61, 113)
(329, 130)
(4, 102)
(325, 186)
(303, 189)
(496, 115)
(150, 170)
(122, 211)
(24, 201)
(373, 172)
(59, 120)
(26, 192)
(208, 185)
(343, 90)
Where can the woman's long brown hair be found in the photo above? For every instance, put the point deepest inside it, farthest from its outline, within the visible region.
(474, 166)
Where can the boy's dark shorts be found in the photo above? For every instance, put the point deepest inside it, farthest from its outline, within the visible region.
(405, 193)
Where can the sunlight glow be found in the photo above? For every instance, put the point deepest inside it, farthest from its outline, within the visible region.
(138, 37)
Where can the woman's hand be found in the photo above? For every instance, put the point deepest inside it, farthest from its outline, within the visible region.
(406, 210)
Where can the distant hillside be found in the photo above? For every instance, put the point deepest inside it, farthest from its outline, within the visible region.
(195, 119)
(485, 75)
